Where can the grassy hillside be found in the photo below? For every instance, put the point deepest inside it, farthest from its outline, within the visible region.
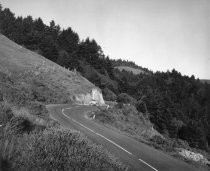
(26, 66)
(130, 69)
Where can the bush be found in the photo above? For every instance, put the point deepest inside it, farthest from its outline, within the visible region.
(15, 96)
(1, 96)
(125, 98)
(168, 144)
(178, 143)
(126, 118)
(19, 125)
(39, 110)
(105, 117)
(6, 153)
(59, 149)
(5, 114)
(109, 95)
(161, 143)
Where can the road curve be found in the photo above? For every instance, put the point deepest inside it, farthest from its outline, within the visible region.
(137, 155)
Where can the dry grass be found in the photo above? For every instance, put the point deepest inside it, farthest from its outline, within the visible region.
(25, 66)
(25, 146)
(130, 69)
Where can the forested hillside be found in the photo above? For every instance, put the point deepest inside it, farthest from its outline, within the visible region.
(178, 106)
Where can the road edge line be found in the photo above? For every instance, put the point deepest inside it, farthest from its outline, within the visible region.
(147, 164)
(96, 132)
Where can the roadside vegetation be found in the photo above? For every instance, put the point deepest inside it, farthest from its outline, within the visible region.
(31, 140)
(23, 148)
(126, 119)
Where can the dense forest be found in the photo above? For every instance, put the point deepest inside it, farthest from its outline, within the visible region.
(178, 106)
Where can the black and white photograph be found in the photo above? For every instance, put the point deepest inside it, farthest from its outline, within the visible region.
(105, 85)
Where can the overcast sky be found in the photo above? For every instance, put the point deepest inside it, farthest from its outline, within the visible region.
(157, 34)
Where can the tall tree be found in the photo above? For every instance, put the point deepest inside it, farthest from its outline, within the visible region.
(28, 24)
(68, 40)
(39, 25)
(18, 33)
(54, 30)
(48, 48)
(7, 22)
(91, 52)
(0, 17)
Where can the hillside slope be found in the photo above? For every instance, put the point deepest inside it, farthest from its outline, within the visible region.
(130, 69)
(205, 81)
(27, 67)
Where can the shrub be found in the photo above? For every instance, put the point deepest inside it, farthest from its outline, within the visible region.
(7, 151)
(1, 96)
(105, 117)
(178, 143)
(109, 95)
(126, 118)
(4, 164)
(5, 114)
(60, 149)
(168, 144)
(125, 98)
(161, 143)
(15, 96)
(19, 125)
(39, 110)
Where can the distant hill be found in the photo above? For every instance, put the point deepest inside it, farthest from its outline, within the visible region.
(129, 66)
(130, 69)
(205, 81)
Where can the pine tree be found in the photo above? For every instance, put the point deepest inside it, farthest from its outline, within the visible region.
(68, 40)
(48, 48)
(54, 30)
(39, 25)
(7, 22)
(0, 17)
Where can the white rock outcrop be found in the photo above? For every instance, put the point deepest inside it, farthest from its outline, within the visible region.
(94, 97)
(197, 157)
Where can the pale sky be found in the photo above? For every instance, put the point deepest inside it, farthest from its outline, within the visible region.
(157, 34)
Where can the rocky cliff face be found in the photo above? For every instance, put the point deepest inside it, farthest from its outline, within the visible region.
(94, 97)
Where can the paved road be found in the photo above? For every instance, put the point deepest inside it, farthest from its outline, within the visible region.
(135, 154)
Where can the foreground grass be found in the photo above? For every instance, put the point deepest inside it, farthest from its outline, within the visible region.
(55, 149)
(27, 146)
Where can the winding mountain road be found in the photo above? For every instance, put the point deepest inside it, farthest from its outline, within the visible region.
(137, 155)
